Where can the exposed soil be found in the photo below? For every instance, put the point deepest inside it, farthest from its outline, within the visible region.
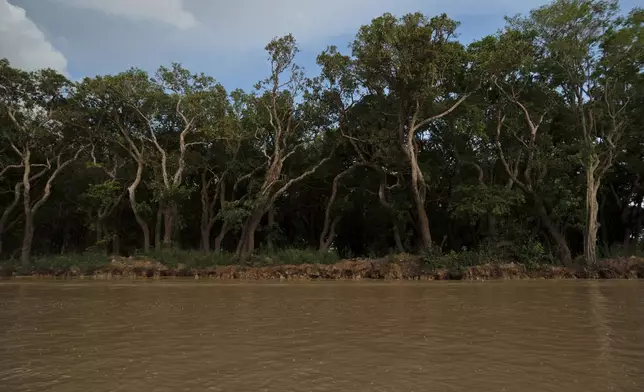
(403, 267)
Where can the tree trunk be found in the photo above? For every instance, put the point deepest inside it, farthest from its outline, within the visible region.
(116, 244)
(419, 200)
(639, 219)
(328, 235)
(399, 245)
(423, 221)
(157, 228)
(271, 228)
(417, 194)
(139, 219)
(328, 231)
(169, 223)
(626, 240)
(418, 186)
(242, 239)
(592, 210)
(99, 231)
(4, 220)
(250, 237)
(220, 238)
(555, 233)
(28, 234)
(205, 217)
(205, 239)
(27, 240)
(246, 245)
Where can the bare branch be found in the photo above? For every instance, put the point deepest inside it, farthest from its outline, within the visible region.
(7, 168)
(292, 181)
(14, 148)
(60, 165)
(291, 152)
(440, 115)
(506, 165)
(9, 209)
(247, 176)
(12, 116)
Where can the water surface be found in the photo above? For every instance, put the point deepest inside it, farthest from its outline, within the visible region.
(200, 336)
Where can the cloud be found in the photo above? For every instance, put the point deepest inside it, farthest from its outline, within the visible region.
(168, 11)
(252, 22)
(24, 44)
(226, 38)
(247, 24)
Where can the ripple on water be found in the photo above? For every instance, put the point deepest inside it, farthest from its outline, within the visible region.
(497, 336)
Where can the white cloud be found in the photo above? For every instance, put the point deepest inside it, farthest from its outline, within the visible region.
(249, 24)
(24, 44)
(168, 11)
(218, 36)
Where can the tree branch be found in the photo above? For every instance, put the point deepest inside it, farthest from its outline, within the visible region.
(59, 167)
(300, 178)
(440, 115)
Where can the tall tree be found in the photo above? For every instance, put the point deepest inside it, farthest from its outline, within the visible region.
(418, 64)
(37, 104)
(279, 134)
(587, 57)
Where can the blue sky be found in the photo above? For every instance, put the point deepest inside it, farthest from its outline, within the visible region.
(224, 39)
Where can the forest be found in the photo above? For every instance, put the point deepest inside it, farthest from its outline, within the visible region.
(527, 141)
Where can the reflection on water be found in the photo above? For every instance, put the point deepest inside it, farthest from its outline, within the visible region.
(173, 336)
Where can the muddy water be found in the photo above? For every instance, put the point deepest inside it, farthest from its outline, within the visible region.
(189, 336)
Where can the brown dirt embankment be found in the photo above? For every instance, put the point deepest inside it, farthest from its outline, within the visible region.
(397, 268)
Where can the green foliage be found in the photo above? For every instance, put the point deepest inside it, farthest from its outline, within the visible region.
(104, 193)
(84, 263)
(530, 253)
(458, 260)
(477, 200)
(533, 253)
(175, 194)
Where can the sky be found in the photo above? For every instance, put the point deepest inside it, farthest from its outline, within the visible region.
(223, 38)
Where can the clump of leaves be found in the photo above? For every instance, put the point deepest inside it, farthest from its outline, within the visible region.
(477, 200)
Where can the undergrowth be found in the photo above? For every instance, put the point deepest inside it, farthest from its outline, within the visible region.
(88, 262)
(532, 254)
(84, 263)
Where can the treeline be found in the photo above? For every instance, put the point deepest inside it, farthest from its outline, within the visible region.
(527, 139)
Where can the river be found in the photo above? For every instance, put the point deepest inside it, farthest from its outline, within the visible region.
(202, 336)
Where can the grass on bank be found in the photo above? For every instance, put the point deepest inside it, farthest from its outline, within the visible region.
(88, 262)
(83, 263)
(531, 254)
(172, 258)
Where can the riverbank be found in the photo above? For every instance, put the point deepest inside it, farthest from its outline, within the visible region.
(401, 267)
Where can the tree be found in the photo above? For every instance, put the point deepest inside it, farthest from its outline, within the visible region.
(589, 55)
(7, 221)
(124, 102)
(278, 132)
(418, 65)
(523, 106)
(199, 105)
(37, 105)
